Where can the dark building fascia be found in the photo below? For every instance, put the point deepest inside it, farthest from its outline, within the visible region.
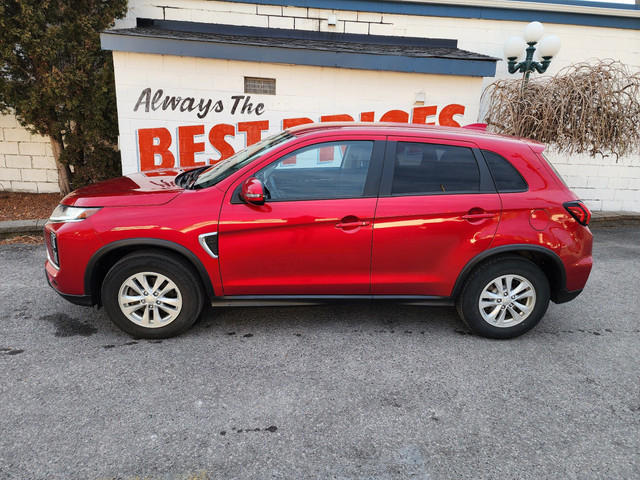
(300, 47)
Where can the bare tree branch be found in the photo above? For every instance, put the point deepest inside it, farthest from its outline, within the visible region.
(591, 107)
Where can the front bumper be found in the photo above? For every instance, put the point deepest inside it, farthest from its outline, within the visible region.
(76, 242)
(83, 300)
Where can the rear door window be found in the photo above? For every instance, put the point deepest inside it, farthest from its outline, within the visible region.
(426, 168)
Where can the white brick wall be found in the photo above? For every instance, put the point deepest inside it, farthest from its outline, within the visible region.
(308, 91)
(26, 160)
(602, 182)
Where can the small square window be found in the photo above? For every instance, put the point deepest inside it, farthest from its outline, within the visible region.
(261, 86)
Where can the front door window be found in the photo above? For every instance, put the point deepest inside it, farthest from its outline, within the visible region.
(319, 172)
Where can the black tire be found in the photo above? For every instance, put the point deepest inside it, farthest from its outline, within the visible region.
(501, 275)
(168, 314)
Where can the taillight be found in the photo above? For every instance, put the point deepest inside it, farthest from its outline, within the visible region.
(578, 211)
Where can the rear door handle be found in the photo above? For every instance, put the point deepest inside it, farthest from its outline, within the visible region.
(477, 216)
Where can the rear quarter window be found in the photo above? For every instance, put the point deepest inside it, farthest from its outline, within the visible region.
(506, 176)
(558, 176)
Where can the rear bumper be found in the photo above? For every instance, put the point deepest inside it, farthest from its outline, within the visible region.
(578, 273)
(563, 296)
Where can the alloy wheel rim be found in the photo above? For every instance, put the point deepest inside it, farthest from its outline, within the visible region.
(150, 299)
(507, 301)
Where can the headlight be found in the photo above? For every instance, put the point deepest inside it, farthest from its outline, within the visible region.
(64, 213)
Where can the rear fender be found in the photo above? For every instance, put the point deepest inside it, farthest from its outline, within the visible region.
(555, 271)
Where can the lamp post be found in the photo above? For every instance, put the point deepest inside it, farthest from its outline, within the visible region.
(547, 49)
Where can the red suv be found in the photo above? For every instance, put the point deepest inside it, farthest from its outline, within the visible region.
(420, 215)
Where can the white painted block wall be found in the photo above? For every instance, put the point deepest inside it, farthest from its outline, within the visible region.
(26, 160)
(604, 183)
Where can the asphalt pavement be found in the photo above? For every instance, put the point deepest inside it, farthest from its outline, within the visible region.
(349, 391)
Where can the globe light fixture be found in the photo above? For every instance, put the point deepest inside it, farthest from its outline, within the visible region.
(547, 49)
(533, 32)
(514, 47)
(549, 46)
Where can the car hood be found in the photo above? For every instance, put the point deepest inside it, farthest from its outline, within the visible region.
(149, 188)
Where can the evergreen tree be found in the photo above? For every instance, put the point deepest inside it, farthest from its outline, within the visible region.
(59, 83)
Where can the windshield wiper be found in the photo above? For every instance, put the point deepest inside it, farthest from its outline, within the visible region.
(187, 179)
(196, 173)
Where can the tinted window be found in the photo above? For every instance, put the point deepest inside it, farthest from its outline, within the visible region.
(431, 168)
(506, 177)
(322, 171)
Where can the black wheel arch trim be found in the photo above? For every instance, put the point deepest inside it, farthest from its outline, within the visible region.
(142, 243)
(506, 249)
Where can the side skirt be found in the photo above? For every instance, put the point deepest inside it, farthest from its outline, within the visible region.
(299, 300)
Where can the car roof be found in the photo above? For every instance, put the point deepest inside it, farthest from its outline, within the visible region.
(471, 133)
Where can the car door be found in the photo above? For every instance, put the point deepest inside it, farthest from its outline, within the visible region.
(437, 209)
(313, 234)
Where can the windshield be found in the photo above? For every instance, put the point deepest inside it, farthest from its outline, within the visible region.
(223, 169)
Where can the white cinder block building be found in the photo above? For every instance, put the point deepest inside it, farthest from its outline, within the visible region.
(197, 80)
(26, 160)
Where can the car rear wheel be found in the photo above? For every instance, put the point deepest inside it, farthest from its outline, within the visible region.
(152, 295)
(504, 298)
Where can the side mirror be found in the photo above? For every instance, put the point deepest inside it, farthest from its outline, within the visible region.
(252, 191)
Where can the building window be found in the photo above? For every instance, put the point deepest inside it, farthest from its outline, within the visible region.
(261, 86)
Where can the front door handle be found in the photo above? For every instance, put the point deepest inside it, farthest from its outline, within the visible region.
(351, 224)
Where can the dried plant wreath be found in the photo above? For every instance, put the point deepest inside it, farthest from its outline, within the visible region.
(591, 107)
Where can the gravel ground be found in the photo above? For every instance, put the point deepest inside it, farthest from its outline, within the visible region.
(354, 391)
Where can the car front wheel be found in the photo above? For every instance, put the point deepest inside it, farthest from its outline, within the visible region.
(152, 295)
(504, 298)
